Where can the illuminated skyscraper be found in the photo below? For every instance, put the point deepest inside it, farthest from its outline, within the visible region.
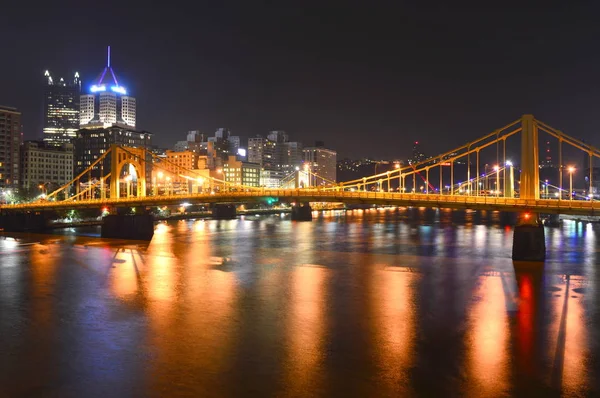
(322, 162)
(107, 103)
(546, 160)
(417, 154)
(61, 109)
(10, 143)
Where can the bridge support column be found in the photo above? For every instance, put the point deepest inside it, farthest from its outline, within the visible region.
(128, 226)
(302, 212)
(529, 243)
(530, 165)
(224, 211)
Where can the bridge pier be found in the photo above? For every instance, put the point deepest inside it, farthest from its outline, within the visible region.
(529, 242)
(23, 221)
(302, 212)
(128, 226)
(224, 211)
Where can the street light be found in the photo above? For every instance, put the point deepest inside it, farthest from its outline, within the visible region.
(571, 170)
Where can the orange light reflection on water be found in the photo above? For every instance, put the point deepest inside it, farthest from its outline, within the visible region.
(180, 305)
(395, 311)
(488, 336)
(124, 279)
(306, 330)
(44, 263)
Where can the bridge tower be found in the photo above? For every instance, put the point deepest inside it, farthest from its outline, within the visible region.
(529, 238)
(530, 169)
(121, 157)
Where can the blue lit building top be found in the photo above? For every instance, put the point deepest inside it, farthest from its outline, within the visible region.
(108, 103)
(104, 82)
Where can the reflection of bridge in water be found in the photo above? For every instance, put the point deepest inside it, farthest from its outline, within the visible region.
(475, 186)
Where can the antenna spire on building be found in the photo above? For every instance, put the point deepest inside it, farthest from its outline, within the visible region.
(108, 58)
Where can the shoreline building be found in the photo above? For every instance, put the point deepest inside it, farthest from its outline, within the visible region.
(108, 103)
(10, 146)
(61, 109)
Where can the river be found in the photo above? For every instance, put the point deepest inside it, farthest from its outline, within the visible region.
(365, 303)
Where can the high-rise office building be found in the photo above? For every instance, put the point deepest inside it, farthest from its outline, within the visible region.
(45, 166)
(291, 156)
(417, 154)
(90, 144)
(278, 136)
(546, 159)
(222, 134)
(322, 162)
(256, 149)
(107, 103)
(61, 109)
(263, 151)
(10, 146)
(195, 136)
(234, 144)
(276, 155)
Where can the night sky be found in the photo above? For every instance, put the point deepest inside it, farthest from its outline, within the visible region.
(367, 79)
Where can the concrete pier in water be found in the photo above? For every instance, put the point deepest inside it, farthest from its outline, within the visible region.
(529, 243)
(130, 226)
(23, 221)
(224, 212)
(302, 212)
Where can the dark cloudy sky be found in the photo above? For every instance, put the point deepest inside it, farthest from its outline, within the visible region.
(368, 78)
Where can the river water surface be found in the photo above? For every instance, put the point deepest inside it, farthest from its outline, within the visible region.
(357, 304)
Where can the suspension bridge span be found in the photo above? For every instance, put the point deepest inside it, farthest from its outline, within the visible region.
(126, 177)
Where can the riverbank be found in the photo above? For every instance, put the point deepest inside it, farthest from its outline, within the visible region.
(177, 216)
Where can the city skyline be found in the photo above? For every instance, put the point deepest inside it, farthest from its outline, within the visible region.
(328, 84)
